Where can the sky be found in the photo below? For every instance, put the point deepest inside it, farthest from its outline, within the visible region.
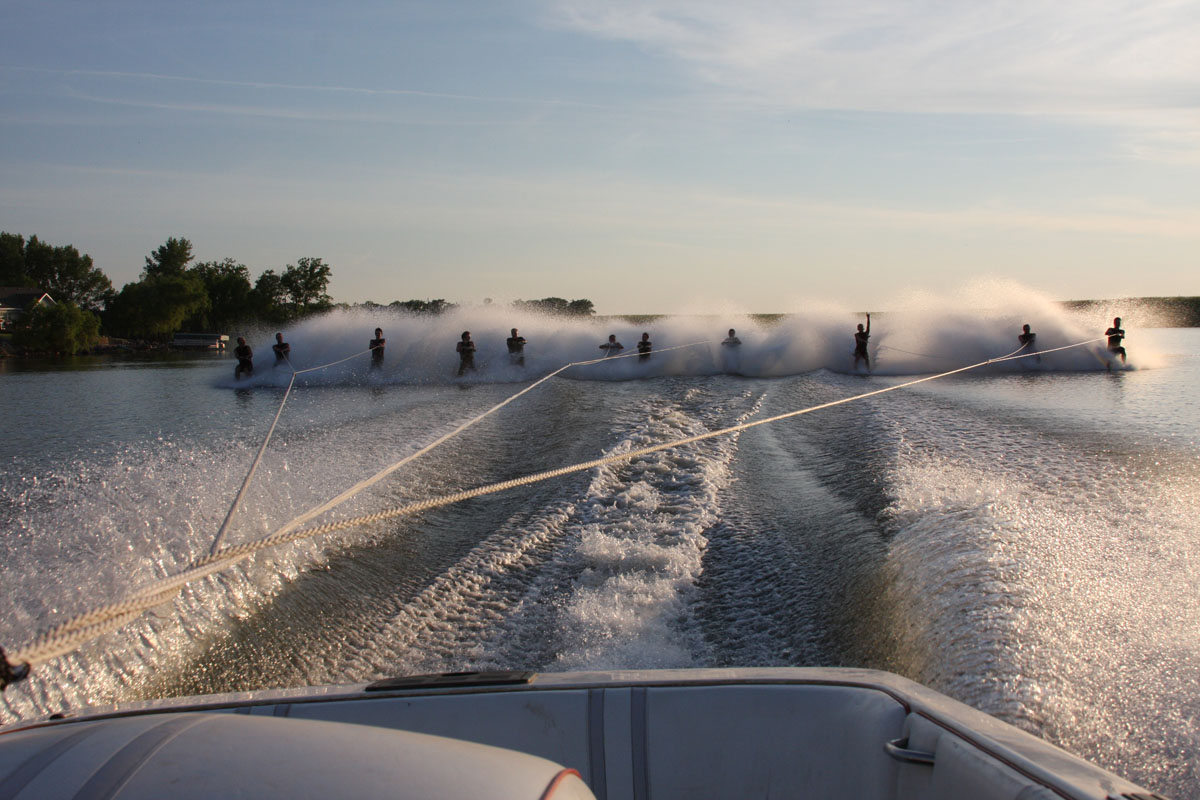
(657, 156)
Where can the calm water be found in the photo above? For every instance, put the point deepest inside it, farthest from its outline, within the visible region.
(1023, 538)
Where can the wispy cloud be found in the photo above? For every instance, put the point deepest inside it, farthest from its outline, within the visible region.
(1181, 147)
(238, 110)
(289, 87)
(425, 119)
(1024, 56)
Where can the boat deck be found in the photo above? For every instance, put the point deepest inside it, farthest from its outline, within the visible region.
(816, 733)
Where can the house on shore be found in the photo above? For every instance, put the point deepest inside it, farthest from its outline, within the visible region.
(16, 301)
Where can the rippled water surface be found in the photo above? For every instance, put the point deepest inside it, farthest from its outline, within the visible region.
(1022, 537)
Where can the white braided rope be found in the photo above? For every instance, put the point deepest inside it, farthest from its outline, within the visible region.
(383, 473)
(237, 500)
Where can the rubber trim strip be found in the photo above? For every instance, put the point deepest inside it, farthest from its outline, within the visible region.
(637, 740)
(597, 767)
(31, 767)
(117, 771)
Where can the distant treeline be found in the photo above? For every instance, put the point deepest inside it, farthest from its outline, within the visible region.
(1147, 312)
(174, 294)
(547, 305)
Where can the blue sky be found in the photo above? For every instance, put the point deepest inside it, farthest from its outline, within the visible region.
(654, 156)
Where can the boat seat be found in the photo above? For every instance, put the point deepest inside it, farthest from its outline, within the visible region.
(663, 742)
(199, 756)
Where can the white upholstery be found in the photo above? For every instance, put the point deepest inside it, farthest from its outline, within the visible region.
(205, 756)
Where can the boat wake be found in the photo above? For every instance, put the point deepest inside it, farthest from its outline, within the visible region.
(599, 582)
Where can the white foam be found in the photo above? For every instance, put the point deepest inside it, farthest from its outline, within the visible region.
(921, 333)
(604, 581)
(1053, 590)
(90, 532)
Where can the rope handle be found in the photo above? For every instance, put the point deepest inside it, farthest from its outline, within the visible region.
(11, 673)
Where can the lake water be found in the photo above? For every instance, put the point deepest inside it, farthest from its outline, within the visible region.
(1022, 537)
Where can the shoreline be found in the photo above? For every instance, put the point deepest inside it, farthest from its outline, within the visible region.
(108, 346)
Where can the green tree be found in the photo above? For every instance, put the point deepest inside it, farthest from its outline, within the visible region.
(552, 305)
(438, 306)
(557, 305)
(61, 271)
(306, 283)
(68, 276)
(12, 260)
(581, 308)
(60, 328)
(268, 299)
(155, 308)
(171, 258)
(227, 284)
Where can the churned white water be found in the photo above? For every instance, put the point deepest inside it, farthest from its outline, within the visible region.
(1021, 537)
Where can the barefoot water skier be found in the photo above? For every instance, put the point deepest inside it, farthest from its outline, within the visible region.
(466, 353)
(376, 346)
(282, 349)
(860, 344)
(1115, 334)
(644, 347)
(245, 357)
(1027, 338)
(516, 348)
(612, 346)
